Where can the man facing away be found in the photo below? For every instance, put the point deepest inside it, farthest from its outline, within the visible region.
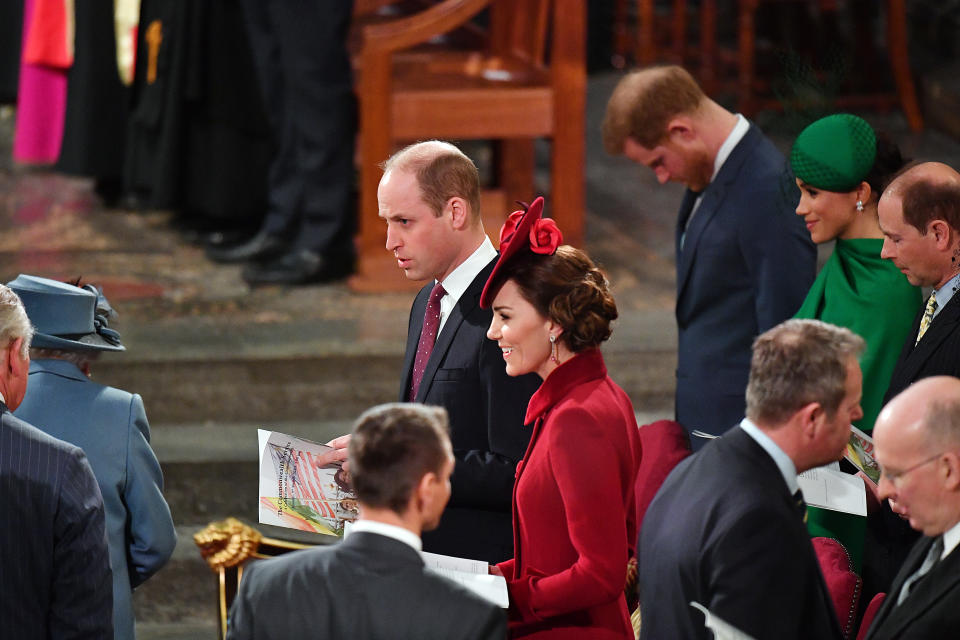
(110, 425)
(429, 198)
(54, 565)
(917, 444)
(744, 261)
(727, 527)
(373, 585)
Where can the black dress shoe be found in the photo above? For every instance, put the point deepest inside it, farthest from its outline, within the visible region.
(299, 267)
(262, 246)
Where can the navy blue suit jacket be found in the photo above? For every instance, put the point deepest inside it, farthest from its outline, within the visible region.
(54, 566)
(110, 425)
(725, 531)
(467, 376)
(368, 586)
(746, 265)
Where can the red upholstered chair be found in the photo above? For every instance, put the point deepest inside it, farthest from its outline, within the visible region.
(842, 582)
(664, 444)
(870, 614)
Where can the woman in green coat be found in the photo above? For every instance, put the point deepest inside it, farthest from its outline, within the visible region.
(841, 166)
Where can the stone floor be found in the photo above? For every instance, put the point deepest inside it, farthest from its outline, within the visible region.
(214, 359)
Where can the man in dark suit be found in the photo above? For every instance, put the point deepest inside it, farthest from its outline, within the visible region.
(300, 50)
(373, 585)
(429, 198)
(919, 214)
(917, 444)
(110, 425)
(920, 217)
(727, 530)
(744, 261)
(54, 566)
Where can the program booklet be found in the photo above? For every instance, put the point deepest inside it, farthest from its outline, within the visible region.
(296, 493)
(860, 453)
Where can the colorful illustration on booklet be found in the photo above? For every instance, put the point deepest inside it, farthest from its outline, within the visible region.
(296, 493)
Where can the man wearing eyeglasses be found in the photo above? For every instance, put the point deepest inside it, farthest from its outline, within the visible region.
(917, 443)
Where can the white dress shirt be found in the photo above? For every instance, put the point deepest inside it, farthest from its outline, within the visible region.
(389, 530)
(460, 278)
(783, 461)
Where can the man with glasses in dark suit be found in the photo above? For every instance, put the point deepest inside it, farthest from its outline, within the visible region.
(917, 444)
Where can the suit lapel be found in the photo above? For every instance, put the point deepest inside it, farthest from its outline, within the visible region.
(464, 307)
(916, 356)
(713, 197)
(925, 594)
(417, 311)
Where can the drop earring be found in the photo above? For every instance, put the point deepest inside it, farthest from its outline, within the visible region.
(859, 206)
(553, 349)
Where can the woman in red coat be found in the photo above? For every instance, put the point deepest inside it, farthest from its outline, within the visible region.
(574, 512)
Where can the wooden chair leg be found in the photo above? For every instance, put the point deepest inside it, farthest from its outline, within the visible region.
(646, 47)
(900, 62)
(708, 46)
(747, 42)
(515, 163)
(679, 31)
(622, 40)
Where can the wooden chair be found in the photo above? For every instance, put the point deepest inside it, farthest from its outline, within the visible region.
(896, 44)
(528, 82)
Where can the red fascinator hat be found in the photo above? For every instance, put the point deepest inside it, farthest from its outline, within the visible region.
(524, 231)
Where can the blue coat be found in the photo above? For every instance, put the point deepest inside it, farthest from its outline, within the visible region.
(110, 425)
(746, 265)
(54, 566)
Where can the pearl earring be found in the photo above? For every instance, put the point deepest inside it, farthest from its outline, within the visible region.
(859, 206)
(553, 349)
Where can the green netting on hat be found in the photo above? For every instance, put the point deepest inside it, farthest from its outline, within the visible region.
(834, 153)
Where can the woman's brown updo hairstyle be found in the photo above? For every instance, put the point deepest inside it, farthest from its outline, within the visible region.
(569, 289)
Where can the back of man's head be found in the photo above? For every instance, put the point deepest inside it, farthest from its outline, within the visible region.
(13, 321)
(392, 448)
(442, 171)
(644, 102)
(796, 363)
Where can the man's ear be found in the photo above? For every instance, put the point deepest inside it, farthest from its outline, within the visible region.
(812, 418)
(941, 234)
(951, 477)
(12, 361)
(681, 129)
(459, 212)
(425, 492)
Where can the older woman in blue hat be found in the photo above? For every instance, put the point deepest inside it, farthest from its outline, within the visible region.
(574, 509)
(71, 329)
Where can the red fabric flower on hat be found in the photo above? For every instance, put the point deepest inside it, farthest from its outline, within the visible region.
(545, 237)
(509, 227)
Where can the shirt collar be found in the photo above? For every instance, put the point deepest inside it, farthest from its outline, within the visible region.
(389, 530)
(945, 293)
(783, 461)
(2, 399)
(736, 135)
(951, 538)
(456, 283)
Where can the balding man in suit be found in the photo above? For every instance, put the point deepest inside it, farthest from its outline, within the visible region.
(919, 215)
(54, 566)
(917, 444)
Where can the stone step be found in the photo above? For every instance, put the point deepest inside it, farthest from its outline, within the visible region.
(326, 371)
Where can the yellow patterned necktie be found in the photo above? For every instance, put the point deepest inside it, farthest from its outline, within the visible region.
(927, 318)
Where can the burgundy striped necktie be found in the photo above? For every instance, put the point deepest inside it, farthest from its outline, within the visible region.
(428, 335)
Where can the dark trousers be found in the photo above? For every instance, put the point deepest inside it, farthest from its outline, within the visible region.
(300, 52)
